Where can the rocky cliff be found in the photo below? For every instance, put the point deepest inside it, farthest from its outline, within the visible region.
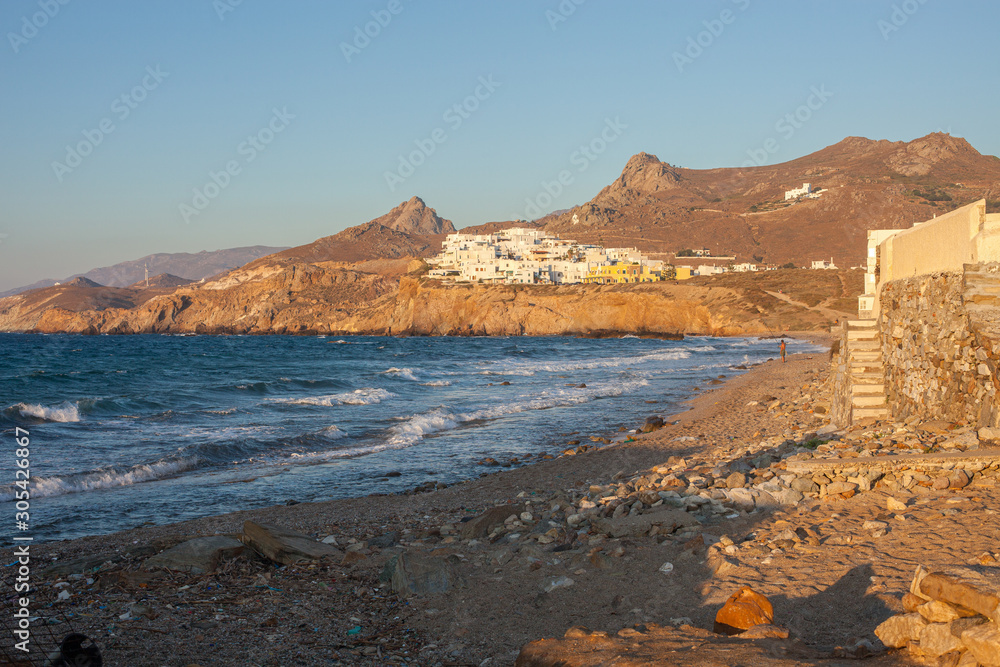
(381, 298)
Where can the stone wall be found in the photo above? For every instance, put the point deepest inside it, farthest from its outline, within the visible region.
(936, 366)
(839, 382)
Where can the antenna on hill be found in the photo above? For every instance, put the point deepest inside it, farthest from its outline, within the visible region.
(146, 266)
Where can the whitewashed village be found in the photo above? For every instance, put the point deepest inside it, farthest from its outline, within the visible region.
(531, 257)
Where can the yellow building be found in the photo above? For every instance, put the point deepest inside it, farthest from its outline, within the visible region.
(622, 273)
(684, 272)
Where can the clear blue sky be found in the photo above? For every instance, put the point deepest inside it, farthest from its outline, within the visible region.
(553, 86)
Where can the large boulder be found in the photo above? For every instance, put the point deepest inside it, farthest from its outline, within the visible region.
(285, 546)
(482, 525)
(651, 424)
(898, 631)
(198, 556)
(962, 587)
(744, 609)
(983, 641)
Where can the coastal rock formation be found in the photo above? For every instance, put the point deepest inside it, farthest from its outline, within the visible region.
(379, 297)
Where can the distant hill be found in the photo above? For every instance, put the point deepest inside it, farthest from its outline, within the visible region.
(161, 281)
(185, 265)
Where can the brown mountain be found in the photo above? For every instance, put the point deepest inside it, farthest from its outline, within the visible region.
(412, 229)
(741, 211)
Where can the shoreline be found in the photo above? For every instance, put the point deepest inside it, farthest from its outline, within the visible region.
(360, 517)
(680, 410)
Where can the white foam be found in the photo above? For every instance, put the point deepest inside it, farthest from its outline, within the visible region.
(64, 412)
(333, 433)
(42, 487)
(528, 368)
(405, 373)
(366, 396)
(417, 426)
(436, 383)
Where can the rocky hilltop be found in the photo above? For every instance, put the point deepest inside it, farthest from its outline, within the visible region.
(866, 184)
(412, 229)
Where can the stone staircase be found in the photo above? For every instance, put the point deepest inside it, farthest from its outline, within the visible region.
(866, 379)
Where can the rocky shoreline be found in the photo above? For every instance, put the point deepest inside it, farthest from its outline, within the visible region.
(750, 487)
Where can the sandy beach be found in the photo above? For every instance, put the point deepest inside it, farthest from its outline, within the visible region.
(556, 563)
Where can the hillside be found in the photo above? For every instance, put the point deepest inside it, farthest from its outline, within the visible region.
(741, 211)
(190, 266)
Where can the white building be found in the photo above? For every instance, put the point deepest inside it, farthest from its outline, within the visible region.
(525, 256)
(710, 269)
(746, 267)
(823, 264)
(798, 192)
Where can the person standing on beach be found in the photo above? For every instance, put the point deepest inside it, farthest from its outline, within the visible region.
(782, 350)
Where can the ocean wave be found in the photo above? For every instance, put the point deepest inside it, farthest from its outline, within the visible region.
(332, 433)
(42, 487)
(63, 412)
(528, 368)
(366, 396)
(436, 383)
(405, 373)
(417, 426)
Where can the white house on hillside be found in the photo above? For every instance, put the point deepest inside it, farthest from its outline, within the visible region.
(798, 192)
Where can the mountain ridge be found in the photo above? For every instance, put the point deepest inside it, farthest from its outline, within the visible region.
(187, 265)
(353, 280)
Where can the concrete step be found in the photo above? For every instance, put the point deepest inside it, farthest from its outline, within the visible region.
(862, 334)
(865, 369)
(868, 401)
(861, 324)
(868, 378)
(865, 355)
(877, 413)
(864, 346)
(868, 389)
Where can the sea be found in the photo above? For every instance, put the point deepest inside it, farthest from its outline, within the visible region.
(128, 430)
